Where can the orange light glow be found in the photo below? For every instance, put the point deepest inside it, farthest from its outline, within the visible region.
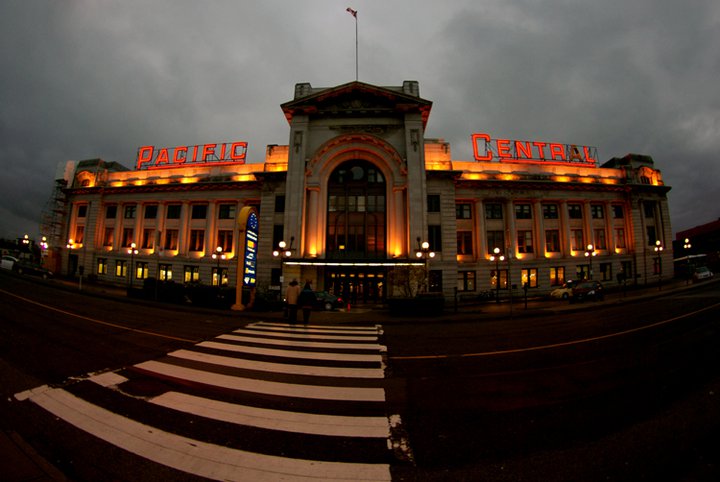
(561, 178)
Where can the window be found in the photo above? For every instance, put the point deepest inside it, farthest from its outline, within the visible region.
(171, 239)
(79, 234)
(651, 235)
(173, 211)
(581, 271)
(464, 242)
(578, 243)
(225, 240)
(620, 238)
(435, 237)
(279, 204)
(433, 203)
(191, 274)
(525, 241)
(600, 242)
(111, 211)
(197, 240)
(82, 210)
(148, 239)
(278, 232)
(141, 270)
(550, 211)
(529, 277)
(523, 211)
(165, 272)
(102, 266)
(649, 209)
(129, 212)
(618, 211)
(597, 211)
(606, 271)
(463, 211)
(226, 211)
(109, 237)
(557, 275)
(198, 211)
(128, 236)
(626, 269)
(575, 211)
(501, 277)
(435, 280)
(151, 211)
(552, 241)
(121, 268)
(466, 281)
(219, 277)
(495, 239)
(493, 211)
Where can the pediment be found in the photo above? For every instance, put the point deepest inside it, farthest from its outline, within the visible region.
(356, 98)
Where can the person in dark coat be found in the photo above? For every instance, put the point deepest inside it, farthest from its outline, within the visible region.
(306, 301)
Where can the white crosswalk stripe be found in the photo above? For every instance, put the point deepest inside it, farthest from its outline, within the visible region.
(323, 382)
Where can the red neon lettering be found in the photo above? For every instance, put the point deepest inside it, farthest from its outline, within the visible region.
(162, 157)
(540, 146)
(144, 156)
(476, 151)
(208, 150)
(557, 150)
(222, 152)
(233, 151)
(177, 159)
(524, 149)
(503, 148)
(588, 157)
(575, 153)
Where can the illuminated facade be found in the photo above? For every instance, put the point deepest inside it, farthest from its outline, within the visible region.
(355, 193)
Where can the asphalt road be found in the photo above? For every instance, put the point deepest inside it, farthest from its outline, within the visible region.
(615, 392)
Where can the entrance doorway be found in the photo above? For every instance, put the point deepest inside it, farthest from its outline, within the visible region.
(361, 285)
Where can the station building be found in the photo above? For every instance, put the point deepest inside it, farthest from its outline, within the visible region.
(361, 203)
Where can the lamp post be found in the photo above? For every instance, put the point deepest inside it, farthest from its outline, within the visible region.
(218, 255)
(497, 257)
(132, 251)
(686, 247)
(424, 252)
(658, 253)
(283, 249)
(589, 253)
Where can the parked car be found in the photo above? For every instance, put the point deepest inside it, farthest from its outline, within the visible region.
(592, 290)
(564, 292)
(27, 267)
(8, 262)
(327, 301)
(701, 273)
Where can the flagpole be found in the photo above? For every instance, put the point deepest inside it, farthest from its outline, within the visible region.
(356, 47)
(354, 14)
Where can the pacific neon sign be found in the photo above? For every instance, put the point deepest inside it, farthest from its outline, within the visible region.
(485, 148)
(181, 156)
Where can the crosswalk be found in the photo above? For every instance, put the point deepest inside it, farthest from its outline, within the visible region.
(266, 402)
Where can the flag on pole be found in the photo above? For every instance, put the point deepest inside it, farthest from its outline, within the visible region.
(352, 12)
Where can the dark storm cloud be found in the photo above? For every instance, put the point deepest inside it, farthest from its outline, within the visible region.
(85, 79)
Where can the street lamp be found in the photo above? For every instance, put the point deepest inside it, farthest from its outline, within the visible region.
(424, 252)
(658, 252)
(218, 255)
(132, 251)
(497, 257)
(589, 253)
(686, 247)
(283, 249)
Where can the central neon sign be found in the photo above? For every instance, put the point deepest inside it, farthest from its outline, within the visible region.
(181, 156)
(485, 149)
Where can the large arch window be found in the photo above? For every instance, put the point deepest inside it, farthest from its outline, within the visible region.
(356, 211)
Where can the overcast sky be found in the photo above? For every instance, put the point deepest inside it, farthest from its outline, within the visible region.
(83, 79)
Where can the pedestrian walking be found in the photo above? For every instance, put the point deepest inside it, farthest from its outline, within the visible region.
(306, 301)
(291, 298)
